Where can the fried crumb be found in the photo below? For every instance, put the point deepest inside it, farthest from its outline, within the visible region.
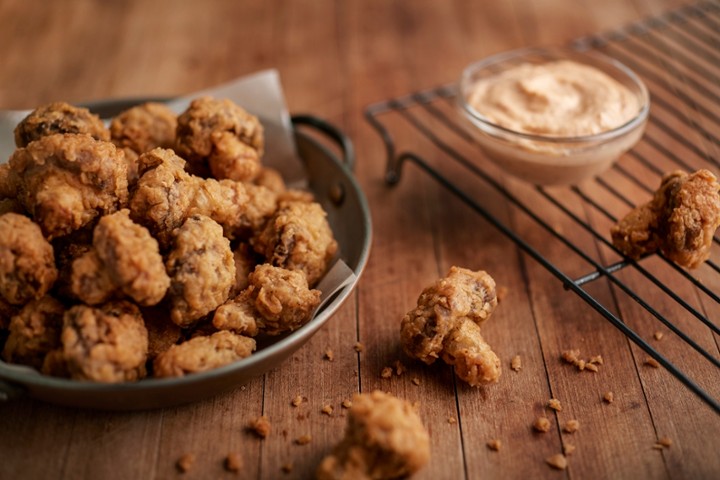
(303, 439)
(399, 368)
(516, 363)
(542, 424)
(359, 347)
(501, 292)
(415, 381)
(665, 442)
(346, 403)
(185, 462)
(568, 449)
(451, 420)
(570, 356)
(329, 355)
(651, 362)
(555, 404)
(591, 367)
(327, 410)
(658, 446)
(597, 359)
(658, 335)
(571, 426)
(494, 444)
(387, 372)
(580, 364)
(609, 397)
(557, 461)
(233, 462)
(297, 401)
(261, 426)
(287, 468)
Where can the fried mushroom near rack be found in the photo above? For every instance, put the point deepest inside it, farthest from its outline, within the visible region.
(679, 221)
(439, 326)
(67, 181)
(59, 117)
(219, 137)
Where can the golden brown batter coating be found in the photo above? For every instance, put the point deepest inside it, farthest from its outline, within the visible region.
(473, 359)
(245, 262)
(107, 344)
(124, 260)
(162, 332)
(7, 311)
(680, 220)
(66, 181)
(298, 237)
(166, 195)
(8, 187)
(27, 261)
(276, 301)
(34, 332)
(202, 353)
(384, 439)
(59, 117)
(441, 308)
(220, 136)
(201, 268)
(271, 179)
(140, 129)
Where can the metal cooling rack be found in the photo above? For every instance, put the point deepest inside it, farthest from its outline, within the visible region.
(678, 56)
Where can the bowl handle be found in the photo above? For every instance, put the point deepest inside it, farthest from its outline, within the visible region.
(330, 130)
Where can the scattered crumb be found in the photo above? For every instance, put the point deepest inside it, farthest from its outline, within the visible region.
(261, 426)
(399, 368)
(570, 356)
(185, 462)
(287, 467)
(568, 449)
(303, 439)
(557, 461)
(386, 372)
(598, 359)
(329, 355)
(542, 424)
(609, 397)
(665, 442)
(494, 444)
(415, 381)
(573, 357)
(359, 347)
(555, 404)
(327, 410)
(346, 404)
(651, 362)
(233, 462)
(658, 335)
(571, 426)
(297, 401)
(452, 420)
(516, 363)
(580, 364)
(591, 366)
(658, 446)
(501, 292)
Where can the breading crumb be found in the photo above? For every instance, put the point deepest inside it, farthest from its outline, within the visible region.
(570, 356)
(185, 462)
(327, 410)
(580, 364)
(597, 359)
(297, 401)
(516, 363)
(329, 355)
(303, 439)
(233, 462)
(399, 368)
(452, 420)
(387, 372)
(665, 442)
(287, 468)
(346, 403)
(541, 424)
(494, 444)
(651, 362)
(415, 381)
(658, 446)
(591, 367)
(658, 335)
(571, 426)
(261, 426)
(609, 397)
(568, 449)
(359, 347)
(557, 461)
(555, 404)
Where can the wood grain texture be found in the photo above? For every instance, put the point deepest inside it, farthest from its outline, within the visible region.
(335, 58)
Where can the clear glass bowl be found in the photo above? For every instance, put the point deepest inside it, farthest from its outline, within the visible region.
(552, 160)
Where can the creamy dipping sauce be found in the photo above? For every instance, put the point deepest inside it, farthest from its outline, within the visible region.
(558, 99)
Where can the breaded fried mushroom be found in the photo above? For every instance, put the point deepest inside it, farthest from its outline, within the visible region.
(384, 439)
(34, 332)
(59, 117)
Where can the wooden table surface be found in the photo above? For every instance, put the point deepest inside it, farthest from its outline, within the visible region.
(334, 59)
